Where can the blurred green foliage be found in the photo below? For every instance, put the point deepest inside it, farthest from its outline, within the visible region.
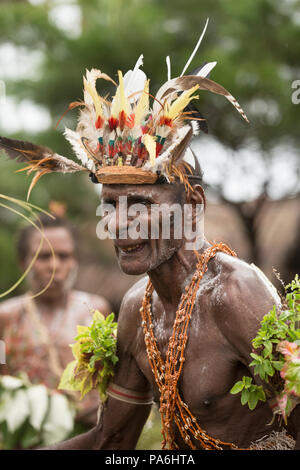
(151, 437)
(255, 43)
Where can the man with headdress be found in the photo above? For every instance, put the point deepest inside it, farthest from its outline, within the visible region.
(185, 329)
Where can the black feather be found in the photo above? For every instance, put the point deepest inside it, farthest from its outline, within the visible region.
(23, 151)
(39, 157)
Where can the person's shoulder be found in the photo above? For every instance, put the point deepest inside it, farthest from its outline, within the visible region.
(93, 301)
(245, 296)
(11, 308)
(243, 281)
(129, 316)
(132, 299)
(14, 304)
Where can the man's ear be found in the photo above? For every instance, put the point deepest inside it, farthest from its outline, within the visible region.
(197, 196)
(197, 201)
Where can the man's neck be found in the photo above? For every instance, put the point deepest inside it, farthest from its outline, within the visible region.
(170, 278)
(50, 303)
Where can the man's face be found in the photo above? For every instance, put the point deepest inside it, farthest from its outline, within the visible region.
(65, 261)
(137, 251)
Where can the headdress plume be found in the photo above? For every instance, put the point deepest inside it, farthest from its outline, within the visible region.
(134, 137)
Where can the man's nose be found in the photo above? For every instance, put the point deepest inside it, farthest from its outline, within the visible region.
(54, 262)
(118, 224)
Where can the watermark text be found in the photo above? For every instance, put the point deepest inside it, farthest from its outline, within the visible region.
(138, 221)
(2, 353)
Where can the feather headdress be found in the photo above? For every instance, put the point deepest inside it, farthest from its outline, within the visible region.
(127, 139)
(40, 159)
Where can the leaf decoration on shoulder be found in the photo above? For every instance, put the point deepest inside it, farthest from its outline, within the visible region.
(95, 357)
(276, 358)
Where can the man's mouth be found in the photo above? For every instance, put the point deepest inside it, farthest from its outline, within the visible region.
(132, 248)
(55, 282)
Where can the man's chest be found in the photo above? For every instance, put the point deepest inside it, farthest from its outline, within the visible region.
(209, 367)
(34, 334)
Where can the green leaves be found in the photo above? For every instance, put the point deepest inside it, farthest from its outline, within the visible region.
(251, 393)
(95, 357)
(263, 366)
(276, 356)
(32, 415)
(238, 387)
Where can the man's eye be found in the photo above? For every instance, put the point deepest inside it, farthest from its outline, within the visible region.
(109, 203)
(144, 202)
(64, 256)
(44, 256)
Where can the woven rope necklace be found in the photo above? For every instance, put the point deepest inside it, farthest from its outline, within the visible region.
(166, 373)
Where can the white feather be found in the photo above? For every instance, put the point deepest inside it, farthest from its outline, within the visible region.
(86, 128)
(75, 141)
(189, 157)
(196, 49)
(206, 69)
(168, 67)
(91, 77)
(195, 127)
(131, 73)
(134, 80)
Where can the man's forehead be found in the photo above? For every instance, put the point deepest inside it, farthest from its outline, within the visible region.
(56, 235)
(130, 190)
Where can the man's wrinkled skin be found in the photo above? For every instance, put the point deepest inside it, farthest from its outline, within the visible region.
(231, 301)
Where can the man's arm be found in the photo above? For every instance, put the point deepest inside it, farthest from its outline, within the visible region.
(9, 314)
(103, 306)
(9, 310)
(120, 423)
(248, 299)
(119, 428)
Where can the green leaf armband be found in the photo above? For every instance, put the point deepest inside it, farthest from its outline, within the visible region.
(276, 357)
(94, 357)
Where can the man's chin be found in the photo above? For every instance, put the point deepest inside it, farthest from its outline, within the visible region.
(133, 269)
(133, 259)
(54, 288)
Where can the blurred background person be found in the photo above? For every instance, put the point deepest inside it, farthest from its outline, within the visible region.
(38, 331)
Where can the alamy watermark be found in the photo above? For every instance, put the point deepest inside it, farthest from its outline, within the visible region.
(142, 222)
(2, 353)
(296, 93)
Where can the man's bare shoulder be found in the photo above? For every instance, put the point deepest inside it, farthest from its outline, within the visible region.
(240, 280)
(242, 295)
(129, 319)
(92, 301)
(132, 300)
(10, 312)
(11, 307)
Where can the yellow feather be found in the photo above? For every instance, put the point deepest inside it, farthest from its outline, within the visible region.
(120, 102)
(123, 99)
(180, 103)
(143, 104)
(150, 144)
(95, 97)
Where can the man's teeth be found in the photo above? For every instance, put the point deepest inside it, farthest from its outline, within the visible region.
(132, 248)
